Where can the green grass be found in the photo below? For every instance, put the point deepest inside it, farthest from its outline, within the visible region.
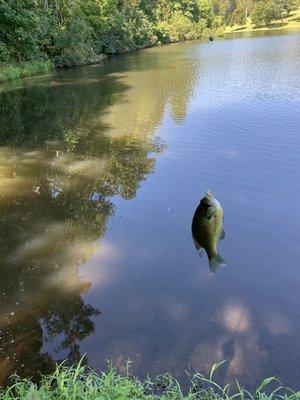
(77, 383)
(290, 22)
(14, 71)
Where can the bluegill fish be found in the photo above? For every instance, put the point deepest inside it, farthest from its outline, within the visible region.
(207, 229)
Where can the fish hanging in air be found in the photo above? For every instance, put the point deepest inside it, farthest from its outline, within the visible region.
(207, 229)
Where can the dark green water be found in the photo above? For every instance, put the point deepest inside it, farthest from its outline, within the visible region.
(101, 169)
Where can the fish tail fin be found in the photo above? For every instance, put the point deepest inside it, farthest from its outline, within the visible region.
(215, 261)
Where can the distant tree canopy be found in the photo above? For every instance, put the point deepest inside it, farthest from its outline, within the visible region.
(74, 32)
(77, 31)
(265, 12)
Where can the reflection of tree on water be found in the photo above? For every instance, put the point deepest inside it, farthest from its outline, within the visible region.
(61, 161)
(46, 236)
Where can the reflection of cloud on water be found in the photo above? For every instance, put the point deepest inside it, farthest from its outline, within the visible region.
(206, 353)
(59, 279)
(88, 168)
(64, 278)
(41, 243)
(242, 354)
(236, 341)
(99, 269)
(13, 167)
(14, 185)
(247, 356)
(235, 317)
(107, 253)
(277, 323)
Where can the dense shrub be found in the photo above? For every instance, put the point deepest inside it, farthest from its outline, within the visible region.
(20, 30)
(74, 45)
(76, 32)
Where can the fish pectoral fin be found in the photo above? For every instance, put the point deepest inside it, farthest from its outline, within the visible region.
(215, 261)
(222, 234)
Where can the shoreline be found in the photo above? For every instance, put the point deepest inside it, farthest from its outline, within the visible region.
(81, 382)
(266, 29)
(15, 71)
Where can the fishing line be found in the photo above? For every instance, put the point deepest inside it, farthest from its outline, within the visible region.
(210, 85)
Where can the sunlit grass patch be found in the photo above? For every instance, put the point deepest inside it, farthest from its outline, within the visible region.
(291, 21)
(82, 383)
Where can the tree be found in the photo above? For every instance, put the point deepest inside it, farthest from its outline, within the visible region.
(226, 9)
(263, 14)
(75, 32)
(20, 28)
(282, 8)
(239, 15)
(205, 8)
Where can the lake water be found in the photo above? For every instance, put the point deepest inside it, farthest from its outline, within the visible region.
(101, 169)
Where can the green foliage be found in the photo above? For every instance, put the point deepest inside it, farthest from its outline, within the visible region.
(206, 11)
(74, 46)
(13, 71)
(20, 30)
(77, 32)
(179, 27)
(238, 16)
(225, 9)
(282, 8)
(263, 14)
(82, 383)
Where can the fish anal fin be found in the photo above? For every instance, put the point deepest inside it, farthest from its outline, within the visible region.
(199, 248)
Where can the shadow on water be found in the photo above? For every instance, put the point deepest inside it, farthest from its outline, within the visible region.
(69, 144)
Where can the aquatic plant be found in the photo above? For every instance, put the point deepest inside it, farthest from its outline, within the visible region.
(80, 382)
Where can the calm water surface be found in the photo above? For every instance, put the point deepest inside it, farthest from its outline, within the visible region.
(101, 169)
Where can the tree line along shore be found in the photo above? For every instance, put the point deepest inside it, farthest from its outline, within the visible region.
(39, 35)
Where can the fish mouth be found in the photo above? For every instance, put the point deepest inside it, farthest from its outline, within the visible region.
(209, 193)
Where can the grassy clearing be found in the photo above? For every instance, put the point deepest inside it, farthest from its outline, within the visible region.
(9, 72)
(74, 383)
(290, 22)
